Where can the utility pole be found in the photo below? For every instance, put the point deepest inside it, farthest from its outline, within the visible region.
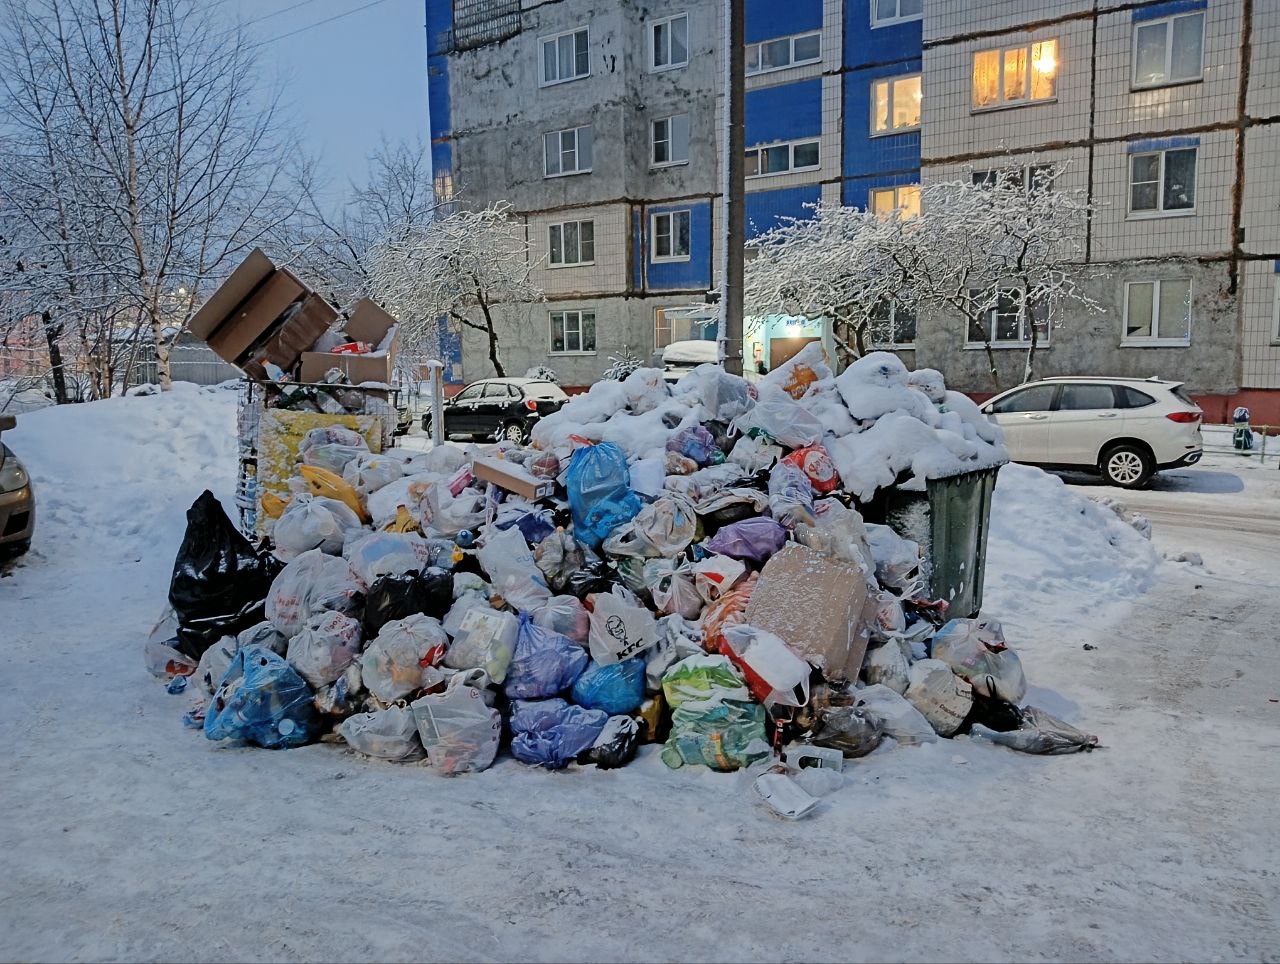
(734, 189)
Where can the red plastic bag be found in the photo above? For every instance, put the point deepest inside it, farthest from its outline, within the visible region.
(815, 463)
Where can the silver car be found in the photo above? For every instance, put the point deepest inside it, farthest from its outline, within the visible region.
(17, 499)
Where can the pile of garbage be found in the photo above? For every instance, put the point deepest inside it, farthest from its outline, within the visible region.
(683, 564)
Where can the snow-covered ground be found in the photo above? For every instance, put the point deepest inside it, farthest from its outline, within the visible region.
(129, 837)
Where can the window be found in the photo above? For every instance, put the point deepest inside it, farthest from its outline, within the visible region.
(1169, 51)
(782, 158)
(1083, 398)
(676, 324)
(886, 200)
(669, 236)
(570, 243)
(497, 392)
(1162, 181)
(1127, 397)
(1008, 76)
(1038, 398)
(895, 104)
(565, 56)
(893, 325)
(669, 139)
(1157, 312)
(885, 12)
(669, 42)
(1009, 323)
(567, 152)
(784, 52)
(573, 332)
(1039, 176)
(471, 393)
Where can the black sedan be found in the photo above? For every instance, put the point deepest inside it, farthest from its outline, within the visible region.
(506, 408)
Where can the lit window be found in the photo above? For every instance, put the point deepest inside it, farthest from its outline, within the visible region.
(567, 151)
(1015, 75)
(885, 12)
(670, 140)
(572, 332)
(895, 104)
(1010, 322)
(669, 42)
(1162, 181)
(782, 158)
(571, 243)
(784, 52)
(565, 56)
(1169, 51)
(669, 236)
(886, 200)
(893, 325)
(1157, 312)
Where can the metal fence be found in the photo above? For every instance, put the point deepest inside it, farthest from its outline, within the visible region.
(480, 22)
(188, 363)
(1220, 440)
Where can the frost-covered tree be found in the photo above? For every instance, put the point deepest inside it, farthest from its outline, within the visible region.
(463, 266)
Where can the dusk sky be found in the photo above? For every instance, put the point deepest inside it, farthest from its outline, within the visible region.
(349, 81)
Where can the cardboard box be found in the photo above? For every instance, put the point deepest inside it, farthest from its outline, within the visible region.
(368, 323)
(816, 605)
(513, 478)
(245, 313)
(310, 319)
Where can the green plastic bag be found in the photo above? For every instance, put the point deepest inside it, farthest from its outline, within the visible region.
(725, 736)
(703, 680)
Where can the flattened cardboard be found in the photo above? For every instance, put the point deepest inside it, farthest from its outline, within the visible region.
(241, 283)
(253, 319)
(513, 478)
(368, 323)
(816, 605)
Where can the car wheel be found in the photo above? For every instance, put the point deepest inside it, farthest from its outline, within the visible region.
(514, 433)
(1126, 466)
(15, 549)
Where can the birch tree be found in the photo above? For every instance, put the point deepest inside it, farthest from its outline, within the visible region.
(463, 266)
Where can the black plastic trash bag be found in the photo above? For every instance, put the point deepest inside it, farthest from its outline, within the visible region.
(219, 583)
(616, 745)
(1039, 733)
(850, 729)
(397, 596)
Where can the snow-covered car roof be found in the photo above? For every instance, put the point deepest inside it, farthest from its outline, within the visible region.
(698, 351)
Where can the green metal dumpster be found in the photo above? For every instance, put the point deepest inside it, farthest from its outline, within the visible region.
(950, 520)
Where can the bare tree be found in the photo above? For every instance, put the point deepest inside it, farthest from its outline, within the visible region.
(166, 149)
(462, 266)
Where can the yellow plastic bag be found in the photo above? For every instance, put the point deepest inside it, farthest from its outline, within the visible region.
(272, 504)
(324, 483)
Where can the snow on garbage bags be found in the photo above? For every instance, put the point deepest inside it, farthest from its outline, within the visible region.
(459, 728)
(261, 700)
(219, 583)
(552, 733)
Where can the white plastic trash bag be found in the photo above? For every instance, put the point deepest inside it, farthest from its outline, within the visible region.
(367, 473)
(485, 640)
(312, 523)
(214, 664)
(515, 576)
(901, 720)
(620, 627)
(458, 612)
(975, 650)
(325, 648)
(312, 583)
(390, 734)
(392, 664)
(887, 665)
(897, 560)
(716, 575)
(458, 728)
(942, 696)
(384, 554)
(775, 674)
(565, 615)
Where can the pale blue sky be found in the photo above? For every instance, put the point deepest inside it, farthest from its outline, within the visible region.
(348, 82)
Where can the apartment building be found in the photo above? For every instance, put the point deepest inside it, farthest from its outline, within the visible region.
(601, 122)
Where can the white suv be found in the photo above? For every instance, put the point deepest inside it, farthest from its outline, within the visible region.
(1125, 428)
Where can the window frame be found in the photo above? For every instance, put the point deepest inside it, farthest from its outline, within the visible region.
(1275, 320)
(1002, 103)
(555, 38)
(1155, 339)
(1026, 173)
(791, 157)
(564, 313)
(876, 22)
(653, 141)
(892, 319)
(577, 150)
(1167, 22)
(1055, 390)
(653, 25)
(791, 53)
(1160, 211)
(562, 263)
(654, 257)
(897, 198)
(892, 81)
(1025, 320)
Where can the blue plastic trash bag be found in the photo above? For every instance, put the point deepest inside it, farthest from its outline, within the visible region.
(261, 700)
(599, 492)
(755, 539)
(544, 664)
(696, 443)
(534, 524)
(615, 688)
(551, 733)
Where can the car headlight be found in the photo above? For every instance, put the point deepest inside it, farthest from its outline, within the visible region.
(12, 475)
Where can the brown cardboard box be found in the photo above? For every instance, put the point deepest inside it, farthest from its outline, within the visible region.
(513, 478)
(252, 272)
(816, 605)
(256, 316)
(367, 323)
(311, 319)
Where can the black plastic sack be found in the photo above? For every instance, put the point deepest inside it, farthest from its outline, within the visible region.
(219, 583)
(995, 714)
(593, 576)
(398, 596)
(848, 729)
(616, 745)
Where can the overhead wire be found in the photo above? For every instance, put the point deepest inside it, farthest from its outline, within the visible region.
(318, 23)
